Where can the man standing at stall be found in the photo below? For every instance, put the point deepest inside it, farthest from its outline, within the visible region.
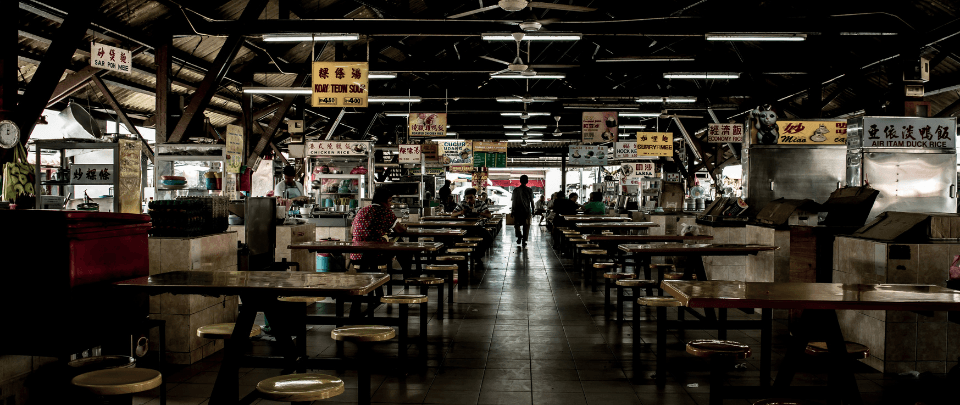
(443, 194)
(522, 210)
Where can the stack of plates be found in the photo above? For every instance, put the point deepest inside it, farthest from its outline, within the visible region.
(174, 182)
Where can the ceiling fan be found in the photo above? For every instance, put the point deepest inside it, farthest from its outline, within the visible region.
(518, 66)
(556, 132)
(517, 5)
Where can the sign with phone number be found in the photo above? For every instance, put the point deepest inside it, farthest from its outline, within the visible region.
(339, 84)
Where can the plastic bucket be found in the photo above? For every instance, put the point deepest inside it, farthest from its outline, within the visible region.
(323, 263)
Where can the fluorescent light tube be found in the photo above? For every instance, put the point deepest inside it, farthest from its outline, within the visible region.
(278, 90)
(397, 114)
(675, 99)
(452, 133)
(552, 76)
(649, 59)
(518, 114)
(381, 75)
(754, 36)
(527, 140)
(521, 126)
(400, 99)
(640, 114)
(525, 100)
(511, 133)
(706, 75)
(633, 126)
(310, 37)
(532, 37)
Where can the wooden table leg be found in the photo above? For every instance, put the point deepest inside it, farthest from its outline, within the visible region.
(226, 389)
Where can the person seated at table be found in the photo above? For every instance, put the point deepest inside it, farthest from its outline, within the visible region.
(472, 208)
(374, 223)
(596, 205)
(563, 206)
(573, 198)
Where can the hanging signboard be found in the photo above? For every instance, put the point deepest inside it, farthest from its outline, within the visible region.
(633, 172)
(337, 148)
(599, 126)
(674, 177)
(110, 58)
(457, 154)
(490, 154)
(430, 152)
(654, 143)
(131, 192)
(917, 133)
(409, 154)
(625, 150)
(427, 125)
(339, 84)
(480, 176)
(811, 132)
(587, 155)
(725, 133)
(431, 171)
(234, 148)
(92, 174)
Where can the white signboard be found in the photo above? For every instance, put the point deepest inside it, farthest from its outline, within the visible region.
(457, 154)
(93, 174)
(725, 133)
(914, 133)
(633, 172)
(409, 154)
(587, 155)
(625, 150)
(599, 126)
(337, 148)
(111, 58)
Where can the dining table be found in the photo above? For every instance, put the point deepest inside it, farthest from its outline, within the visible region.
(414, 234)
(450, 223)
(595, 218)
(259, 290)
(817, 323)
(615, 226)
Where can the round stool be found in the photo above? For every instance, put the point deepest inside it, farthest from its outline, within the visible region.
(363, 334)
(855, 350)
(426, 239)
(722, 353)
(300, 387)
(465, 245)
(222, 331)
(446, 272)
(608, 279)
(462, 257)
(118, 381)
(635, 285)
(664, 302)
(661, 304)
(426, 282)
(305, 300)
(95, 363)
(587, 255)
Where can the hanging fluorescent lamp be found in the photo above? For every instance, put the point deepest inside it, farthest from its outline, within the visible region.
(675, 99)
(651, 58)
(309, 37)
(632, 126)
(525, 99)
(522, 75)
(756, 36)
(521, 114)
(306, 91)
(705, 75)
(394, 99)
(523, 133)
(452, 133)
(381, 75)
(525, 140)
(640, 114)
(522, 126)
(553, 36)
(396, 114)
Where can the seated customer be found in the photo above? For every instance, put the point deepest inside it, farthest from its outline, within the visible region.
(596, 205)
(473, 208)
(372, 224)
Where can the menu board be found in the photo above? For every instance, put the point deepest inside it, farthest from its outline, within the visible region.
(337, 148)
(633, 172)
(93, 173)
(587, 155)
(725, 133)
(490, 154)
(812, 132)
(339, 84)
(410, 154)
(654, 143)
(234, 148)
(599, 126)
(427, 125)
(915, 133)
(110, 58)
(625, 150)
(457, 154)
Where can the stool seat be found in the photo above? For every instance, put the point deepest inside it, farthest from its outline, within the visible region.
(300, 387)
(427, 239)
(222, 331)
(713, 348)
(404, 299)
(454, 258)
(658, 301)
(654, 266)
(441, 267)
(593, 252)
(363, 333)
(637, 283)
(673, 276)
(616, 275)
(473, 239)
(588, 245)
(423, 281)
(854, 350)
(459, 250)
(466, 244)
(118, 381)
(780, 401)
(307, 300)
(604, 265)
(102, 363)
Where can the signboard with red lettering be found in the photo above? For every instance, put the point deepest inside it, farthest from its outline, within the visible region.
(725, 133)
(812, 132)
(916, 133)
(410, 154)
(599, 126)
(110, 58)
(337, 148)
(427, 125)
(339, 84)
(633, 172)
(654, 144)
(625, 150)
(457, 154)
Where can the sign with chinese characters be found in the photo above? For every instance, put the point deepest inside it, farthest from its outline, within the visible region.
(234, 148)
(599, 126)
(339, 84)
(431, 171)
(654, 144)
(337, 148)
(102, 174)
(633, 172)
(110, 58)
(130, 176)
(916, 133)
(457, 154)
(673, 177)
(812, 132)
(427, 125)
(431, 152)
(587, 155)
(625, 150)
(725, 133)
(479, 177)
(410, 154)
(490, 154)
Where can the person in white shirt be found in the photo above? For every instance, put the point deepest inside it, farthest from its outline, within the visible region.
(289, 188)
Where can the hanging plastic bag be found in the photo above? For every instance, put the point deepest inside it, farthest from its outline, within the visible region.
(689, 230)
(955, 269)
(18, 176)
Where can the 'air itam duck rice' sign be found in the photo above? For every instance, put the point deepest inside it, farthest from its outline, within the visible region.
(916, 133)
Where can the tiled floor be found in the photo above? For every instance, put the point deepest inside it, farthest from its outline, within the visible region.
(524, 331)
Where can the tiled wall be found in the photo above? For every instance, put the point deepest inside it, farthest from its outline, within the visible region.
(768, 266)
(725, 267)
(287, 235)
(185, 313)
(14, 371)
(899, 341)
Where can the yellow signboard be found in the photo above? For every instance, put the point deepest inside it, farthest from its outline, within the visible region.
(654, 144)
(234, 148)
(805, 133)
(427, 125)
(340, 84)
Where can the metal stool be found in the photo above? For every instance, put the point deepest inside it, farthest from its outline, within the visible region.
(426, 282)
(118, 382)
(444, 271)
(300, 388)
(609, 279)
(661, 304)
(460, 259)
(635, 285)
(722, 354)
(593, 255)
(362, 335)
(405, 300)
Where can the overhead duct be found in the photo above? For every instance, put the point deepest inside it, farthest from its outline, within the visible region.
(79, 124)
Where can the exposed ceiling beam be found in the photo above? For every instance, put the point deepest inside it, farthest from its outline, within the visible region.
(112, 101)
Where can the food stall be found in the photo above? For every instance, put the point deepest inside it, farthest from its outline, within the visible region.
(338, 178)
